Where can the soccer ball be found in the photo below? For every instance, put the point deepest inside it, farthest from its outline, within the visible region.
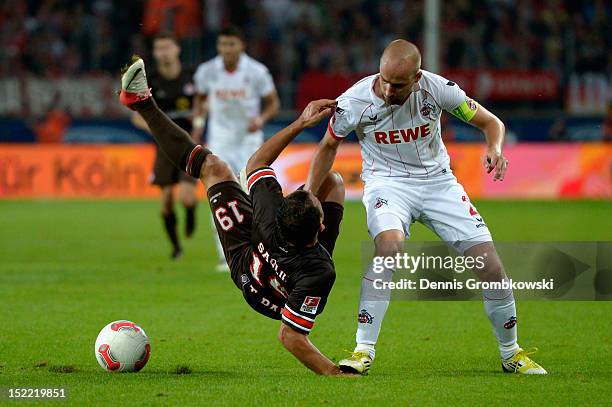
(122, 346)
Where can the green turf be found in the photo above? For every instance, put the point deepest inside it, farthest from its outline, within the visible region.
(69, 267)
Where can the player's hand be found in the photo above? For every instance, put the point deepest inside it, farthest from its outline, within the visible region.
(255, 124)
(495, 160)
(316, 111)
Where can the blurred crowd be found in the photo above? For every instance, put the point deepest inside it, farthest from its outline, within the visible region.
(55, 38)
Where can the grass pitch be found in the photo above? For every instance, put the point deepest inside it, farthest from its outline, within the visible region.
(67, 268)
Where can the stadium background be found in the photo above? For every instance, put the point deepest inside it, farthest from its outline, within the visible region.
(93, 253)
(543, 67)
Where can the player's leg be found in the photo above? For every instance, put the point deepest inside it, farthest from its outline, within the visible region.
(165, 176)
(331, 195)
(174, 141)
(499, 304)
(448, 212)
(197, 161)
(228, 154)
(374, 302)
(389, 214)
(188, 196)
(169, 218)
(500, 308)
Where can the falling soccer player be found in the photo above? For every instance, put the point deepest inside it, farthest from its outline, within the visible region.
(406, 170)
(174, 91)
(278, 248)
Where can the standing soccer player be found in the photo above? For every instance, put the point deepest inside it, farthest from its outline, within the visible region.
(174, 92)
(407, 176)
(230, 90)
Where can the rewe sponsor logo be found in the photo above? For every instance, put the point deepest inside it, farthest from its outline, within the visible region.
(230, 94)
(401, 135)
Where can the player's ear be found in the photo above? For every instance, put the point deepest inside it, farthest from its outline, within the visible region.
(418, 75)
(321, 228)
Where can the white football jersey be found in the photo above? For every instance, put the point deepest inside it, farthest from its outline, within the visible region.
(234, 98)
(399, 141)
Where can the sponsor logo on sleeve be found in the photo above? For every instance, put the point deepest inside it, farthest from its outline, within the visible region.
(450, 83)
(310, 305)
(339, 110)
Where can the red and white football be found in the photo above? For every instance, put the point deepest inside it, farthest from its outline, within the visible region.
(122, 346)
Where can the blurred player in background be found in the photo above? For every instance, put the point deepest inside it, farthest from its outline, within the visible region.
(230, 90)
(407, 176)
(174, 90)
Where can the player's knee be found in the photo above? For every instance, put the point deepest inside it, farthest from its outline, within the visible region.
(214, 167)
(166, 209)
(336, 183)
(332, 188)
(167, 202)
(493, 270)
(388, 249)
(335, 180)
(389, 243)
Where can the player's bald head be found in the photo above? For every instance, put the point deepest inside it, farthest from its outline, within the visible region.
(400, 58)
(400, 69)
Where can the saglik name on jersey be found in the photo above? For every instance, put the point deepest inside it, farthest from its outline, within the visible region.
(265, 254)
(397, 136)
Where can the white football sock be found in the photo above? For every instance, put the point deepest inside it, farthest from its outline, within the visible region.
(373, 304)
(501, 310)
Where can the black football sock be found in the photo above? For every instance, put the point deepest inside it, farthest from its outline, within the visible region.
(190, 219)
(170, 225)
(174, 141)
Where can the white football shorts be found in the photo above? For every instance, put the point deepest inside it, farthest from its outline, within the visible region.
(439, 203)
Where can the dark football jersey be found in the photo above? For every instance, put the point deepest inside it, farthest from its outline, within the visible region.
(303, 277)
(174, 96)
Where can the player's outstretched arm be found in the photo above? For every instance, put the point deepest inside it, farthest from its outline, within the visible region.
(322, 162)
(271, 149)
(300, 346)
(494, 131)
